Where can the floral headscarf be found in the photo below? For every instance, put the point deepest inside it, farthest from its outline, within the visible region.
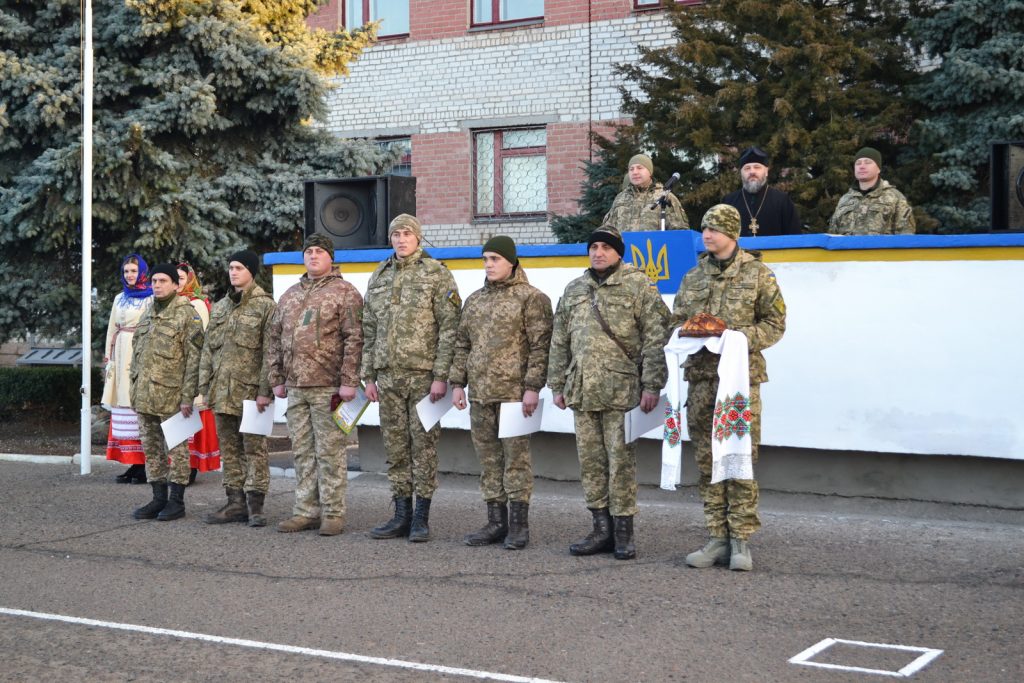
(141, 289)
(192, 289)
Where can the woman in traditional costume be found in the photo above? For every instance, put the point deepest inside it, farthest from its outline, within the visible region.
(135, 298)
(203, 446)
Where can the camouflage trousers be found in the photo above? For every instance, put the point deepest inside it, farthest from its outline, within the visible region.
(506, 472)
(607, 462)
(411, 451)
(730, 506)
(318, 446)
(154, 445)
(243, 456)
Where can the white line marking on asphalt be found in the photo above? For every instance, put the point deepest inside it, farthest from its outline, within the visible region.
(291, 649)
(927, 655)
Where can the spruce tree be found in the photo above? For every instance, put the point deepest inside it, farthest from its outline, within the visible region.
(809, 81)
(204, 129)
(603, 180)
(975, 96)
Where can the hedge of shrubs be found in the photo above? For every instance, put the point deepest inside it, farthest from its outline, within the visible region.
(47, 392)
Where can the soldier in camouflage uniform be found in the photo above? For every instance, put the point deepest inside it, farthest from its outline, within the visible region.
(232, 371)
(164, 380)
(606, 358)
(501, 354)
(732, 284)
(872, 206)
(412, 313)
(316, 341)
(631, 211)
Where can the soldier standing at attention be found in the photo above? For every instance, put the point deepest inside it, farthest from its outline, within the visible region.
(501, 354)
(315, 345)
(164, 380)
(733, 285)
(231, 370)
(607, 357)
(631, 211)
(411, 315)
(872, 206)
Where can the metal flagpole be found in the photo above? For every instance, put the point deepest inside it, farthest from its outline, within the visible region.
(85, 440)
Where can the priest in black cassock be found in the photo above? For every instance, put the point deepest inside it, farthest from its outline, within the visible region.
(763, 210)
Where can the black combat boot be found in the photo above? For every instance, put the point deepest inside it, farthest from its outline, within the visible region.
(494, 530)
(600, 539)
(135, 474)
(151, 509)
(233, 511)
(398, 525)
(420, 529)
(624, 547)
(255, 502)
(518, 526)
(175, 508)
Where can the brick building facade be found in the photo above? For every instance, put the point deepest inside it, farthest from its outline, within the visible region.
(493, 101)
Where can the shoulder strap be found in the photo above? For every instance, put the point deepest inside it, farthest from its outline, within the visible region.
(604, 324)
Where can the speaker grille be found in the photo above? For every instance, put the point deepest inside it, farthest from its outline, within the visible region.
(341, 215)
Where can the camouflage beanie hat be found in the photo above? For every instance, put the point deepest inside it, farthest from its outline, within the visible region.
(724, 219)
(644, 161)
(611, 236)
(319, 240)
(869, 153)
(504, 246)
(406, 222)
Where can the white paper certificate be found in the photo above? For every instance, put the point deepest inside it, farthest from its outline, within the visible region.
(255, 422)
(431, 413)
(512, 423)
(178, 428)
(639, 423)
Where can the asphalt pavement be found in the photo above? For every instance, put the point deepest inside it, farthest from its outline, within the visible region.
(88, 594)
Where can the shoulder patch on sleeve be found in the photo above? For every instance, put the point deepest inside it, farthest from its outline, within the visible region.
(453, 296)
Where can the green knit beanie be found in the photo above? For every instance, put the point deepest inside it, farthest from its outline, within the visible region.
(869, 153)
(504, 246)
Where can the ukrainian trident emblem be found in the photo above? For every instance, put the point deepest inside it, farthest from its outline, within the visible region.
(655, 268)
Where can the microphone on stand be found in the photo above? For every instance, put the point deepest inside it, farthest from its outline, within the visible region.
(668, 185)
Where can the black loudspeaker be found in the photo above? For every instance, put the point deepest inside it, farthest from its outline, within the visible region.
(1007, 191)
(356, 212)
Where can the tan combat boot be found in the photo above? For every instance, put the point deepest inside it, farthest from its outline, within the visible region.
(740, 560)
(715, 552)
(331, 526)
(298, 523)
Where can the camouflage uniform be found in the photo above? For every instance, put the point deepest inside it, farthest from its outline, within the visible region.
(501, 350)
(232, 371)
(164, 376)
(631, 211)
(882, 210)
(315, 345)
(743, 292)
(599, 382)
(409, 323)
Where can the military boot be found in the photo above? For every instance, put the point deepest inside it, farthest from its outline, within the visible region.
(494, 530)
(518, 526)
(715, 552)
(255, 502)
(233, 511)
(175, 508)
(600, 539)
(740, 560)
(624, 547)
(151, 509)
(398, 525)
(419, 532)
(298, 523)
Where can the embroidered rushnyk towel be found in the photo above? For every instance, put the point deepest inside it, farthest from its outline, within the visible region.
(124, 424)
(730, 428)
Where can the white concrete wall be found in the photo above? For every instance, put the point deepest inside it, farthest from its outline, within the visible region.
(918, 357)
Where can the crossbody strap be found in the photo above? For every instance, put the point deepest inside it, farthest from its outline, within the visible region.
(604, 324)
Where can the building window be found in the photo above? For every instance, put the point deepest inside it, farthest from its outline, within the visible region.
(651, 4)
(394, 15)
(486, 12)
(403, 166)
(511, 174)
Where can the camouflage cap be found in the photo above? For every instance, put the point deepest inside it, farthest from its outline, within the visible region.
(407, 222)
(724, 219)
(319, 240)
